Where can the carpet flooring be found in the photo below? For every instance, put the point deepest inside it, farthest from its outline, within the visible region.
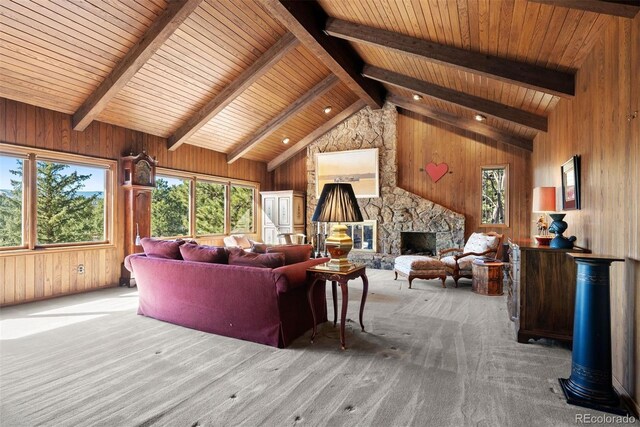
(429, 357)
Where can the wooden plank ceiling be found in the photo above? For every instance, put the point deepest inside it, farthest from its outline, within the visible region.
(240, 76)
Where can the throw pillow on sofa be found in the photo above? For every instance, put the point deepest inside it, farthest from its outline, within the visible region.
(239, 256)
(259, 247)
(293, 254)
(157, 248)
(202, 253)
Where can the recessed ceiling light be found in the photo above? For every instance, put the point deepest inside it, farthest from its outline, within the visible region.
(327, 109)
(285, 140)
(480, 117)
(417, 97)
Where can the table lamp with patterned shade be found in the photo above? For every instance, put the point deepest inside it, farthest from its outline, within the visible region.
(338, 204)
(544, 201)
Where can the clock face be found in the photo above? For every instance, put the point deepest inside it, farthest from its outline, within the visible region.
(143, 173)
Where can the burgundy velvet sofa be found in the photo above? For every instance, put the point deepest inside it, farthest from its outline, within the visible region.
(263, 305)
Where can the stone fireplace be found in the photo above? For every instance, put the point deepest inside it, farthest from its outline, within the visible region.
(396, 211)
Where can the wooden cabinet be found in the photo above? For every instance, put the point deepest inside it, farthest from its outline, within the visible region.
(541, 289)
(282, 212)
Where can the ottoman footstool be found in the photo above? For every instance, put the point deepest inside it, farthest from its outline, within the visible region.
(420, 267)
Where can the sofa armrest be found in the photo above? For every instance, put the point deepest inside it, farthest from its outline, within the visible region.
(295, 275)
(127, 260)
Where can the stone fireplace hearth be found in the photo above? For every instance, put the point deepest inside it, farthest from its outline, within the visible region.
(396, 210)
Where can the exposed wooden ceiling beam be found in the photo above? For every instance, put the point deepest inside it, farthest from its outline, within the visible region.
(231, 92)
(161, 29)
(273, 124)
(461, 122)
(531, 76)
(625, 9)
(305, 19)
(473, 103)
(326, 127)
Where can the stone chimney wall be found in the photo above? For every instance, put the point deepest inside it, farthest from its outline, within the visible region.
(395, 210)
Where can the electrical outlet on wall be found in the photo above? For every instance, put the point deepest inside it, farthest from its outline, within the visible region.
(80, 269)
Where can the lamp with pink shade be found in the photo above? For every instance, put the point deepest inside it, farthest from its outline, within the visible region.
(544, 201)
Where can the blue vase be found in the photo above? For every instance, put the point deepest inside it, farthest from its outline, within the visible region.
(558, 226)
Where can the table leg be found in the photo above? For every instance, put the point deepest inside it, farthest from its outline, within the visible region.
(365, 290)
(335, 302)
(343, 316)
(313, 310)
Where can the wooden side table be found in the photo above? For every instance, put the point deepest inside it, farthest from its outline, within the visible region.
(342, 276)
(487, 276)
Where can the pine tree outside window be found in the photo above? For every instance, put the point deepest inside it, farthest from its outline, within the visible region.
(241, 211)
(11, 201)
(210, 208)
(70, 203)
(170, 207)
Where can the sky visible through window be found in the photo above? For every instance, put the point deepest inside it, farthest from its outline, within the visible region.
(95, 183)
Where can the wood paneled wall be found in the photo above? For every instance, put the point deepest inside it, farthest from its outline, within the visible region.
(27, 276)
(292, 175)
(422, 140)
(599, 125)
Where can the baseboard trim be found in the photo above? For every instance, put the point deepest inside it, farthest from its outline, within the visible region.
(624, 395)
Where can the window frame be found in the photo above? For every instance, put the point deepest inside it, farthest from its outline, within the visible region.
(505, 166)
(189, 208)
(29, 195)
(193, 179)
(366, 223)
(227, 218)
(253, 213)
(26, 172)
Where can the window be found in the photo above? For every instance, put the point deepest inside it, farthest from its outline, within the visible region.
(363, 235)
(241, 209)
(495, 196)
(210, 207)
(70, 203)
(170, 207)
(72, 198)
(11, 201)
(189, 205)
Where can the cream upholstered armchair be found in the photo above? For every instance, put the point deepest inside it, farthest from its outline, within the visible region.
(292, 238)
(458, 264)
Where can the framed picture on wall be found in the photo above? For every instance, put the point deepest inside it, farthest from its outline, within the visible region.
(356, 167)
(571, 184)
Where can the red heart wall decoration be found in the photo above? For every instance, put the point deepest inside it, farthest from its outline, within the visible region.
(437, 171)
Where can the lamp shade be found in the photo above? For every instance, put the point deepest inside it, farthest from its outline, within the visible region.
(544, 199)
(337, 203)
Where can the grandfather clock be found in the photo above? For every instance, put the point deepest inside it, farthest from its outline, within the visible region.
(138, 181)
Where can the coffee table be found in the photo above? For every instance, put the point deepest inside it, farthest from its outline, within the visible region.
(342, 276)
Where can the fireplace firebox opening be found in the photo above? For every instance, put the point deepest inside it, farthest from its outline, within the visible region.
(417, 243)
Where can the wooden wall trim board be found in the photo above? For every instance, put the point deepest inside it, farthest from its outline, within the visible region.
(30, 275)
(528, 75)
(162, 28)
(599, 125)
(225, 97)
